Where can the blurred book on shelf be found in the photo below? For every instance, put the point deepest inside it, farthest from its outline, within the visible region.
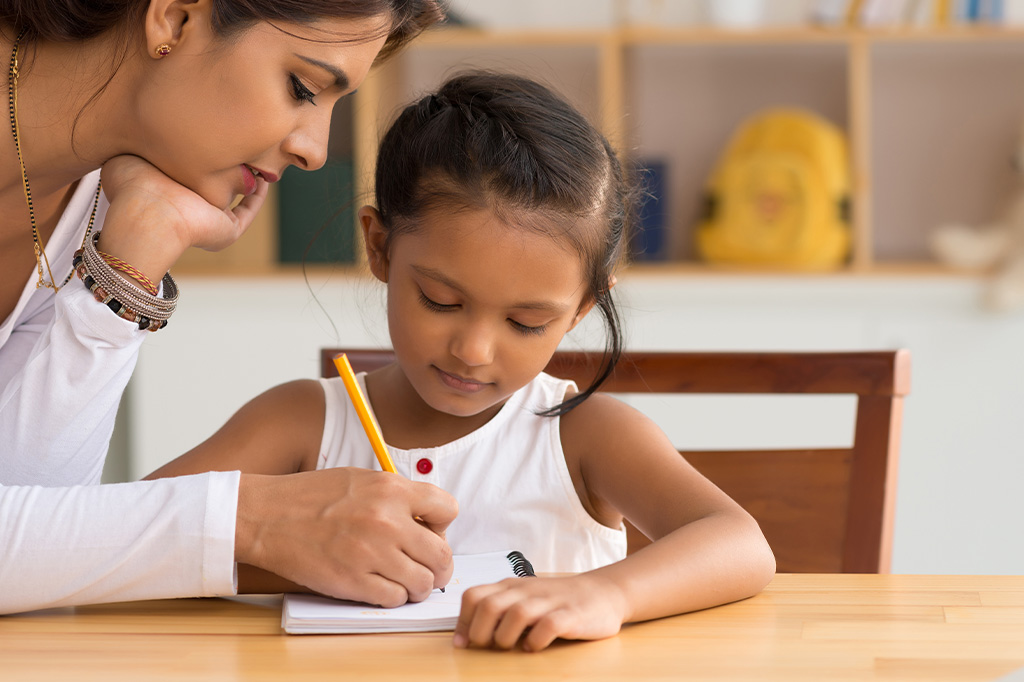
(891, 14)
(315, 215)
(650, 240)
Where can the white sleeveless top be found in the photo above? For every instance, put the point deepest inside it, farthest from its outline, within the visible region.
(509, 478)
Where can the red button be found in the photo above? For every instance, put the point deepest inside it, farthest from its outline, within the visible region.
(424, 466)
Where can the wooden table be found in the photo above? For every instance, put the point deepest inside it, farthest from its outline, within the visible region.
(823, 628)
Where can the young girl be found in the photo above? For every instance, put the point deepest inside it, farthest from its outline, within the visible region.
(500, 217)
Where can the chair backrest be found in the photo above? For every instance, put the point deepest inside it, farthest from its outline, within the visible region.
(822, 510)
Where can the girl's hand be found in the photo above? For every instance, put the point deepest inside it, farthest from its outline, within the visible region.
(152, 219)
(538, 610)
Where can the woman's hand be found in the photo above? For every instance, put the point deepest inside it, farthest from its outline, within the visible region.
(539, 610)
(152, 219)
(347, 533)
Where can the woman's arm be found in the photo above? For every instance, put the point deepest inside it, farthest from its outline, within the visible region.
(278, 432)
(105, 543)
(707, 550)
(345, 532)
(69, 357)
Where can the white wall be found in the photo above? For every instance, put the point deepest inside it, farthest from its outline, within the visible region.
(959, 507)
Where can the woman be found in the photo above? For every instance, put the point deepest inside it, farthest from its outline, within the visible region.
(185, 104)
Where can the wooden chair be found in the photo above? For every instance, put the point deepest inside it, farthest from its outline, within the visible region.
(822, 510)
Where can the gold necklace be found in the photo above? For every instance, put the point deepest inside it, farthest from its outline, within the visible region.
(12, 97)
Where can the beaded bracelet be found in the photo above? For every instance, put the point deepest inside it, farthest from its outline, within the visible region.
(125, 299)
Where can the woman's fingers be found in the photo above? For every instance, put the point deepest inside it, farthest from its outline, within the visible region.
(243, 214)
(347, 533)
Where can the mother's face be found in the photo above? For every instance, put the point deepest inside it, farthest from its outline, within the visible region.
(214, 113)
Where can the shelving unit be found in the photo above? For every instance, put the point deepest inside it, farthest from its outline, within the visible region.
(932, 117)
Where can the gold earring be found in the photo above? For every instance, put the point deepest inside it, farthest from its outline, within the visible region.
(163, 50)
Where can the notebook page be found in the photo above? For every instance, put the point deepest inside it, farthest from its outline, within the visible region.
(309, 614)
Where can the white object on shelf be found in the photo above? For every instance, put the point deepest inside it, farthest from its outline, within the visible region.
(563, 14)
(736, 14)
(661, 13)
(1013, 12)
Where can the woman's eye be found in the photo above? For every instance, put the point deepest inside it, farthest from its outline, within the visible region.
(434, 305)
(526, 329)
(301, 92)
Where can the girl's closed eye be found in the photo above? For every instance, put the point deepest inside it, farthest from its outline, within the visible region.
(300, 91)
(430, 304)
(527, 329)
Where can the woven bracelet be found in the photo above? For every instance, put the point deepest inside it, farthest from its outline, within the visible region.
(119, 308)
(130, 270)
(125, 299)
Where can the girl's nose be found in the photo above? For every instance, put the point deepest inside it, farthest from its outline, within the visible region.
(473, 345)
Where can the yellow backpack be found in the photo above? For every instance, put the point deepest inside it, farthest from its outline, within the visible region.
(779, 195)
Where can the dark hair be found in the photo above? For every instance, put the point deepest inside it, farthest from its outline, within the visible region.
(512, 145)
(69, 20)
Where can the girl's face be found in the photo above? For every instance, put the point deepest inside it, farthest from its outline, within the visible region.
(476, 308)
(213, 112)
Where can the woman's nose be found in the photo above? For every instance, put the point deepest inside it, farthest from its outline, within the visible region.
(307, 144)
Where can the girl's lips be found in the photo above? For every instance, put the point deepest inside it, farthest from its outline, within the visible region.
(458, 383)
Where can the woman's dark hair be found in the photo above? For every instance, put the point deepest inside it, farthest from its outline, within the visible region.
(511, 145)
(69, 20)
(72, 20)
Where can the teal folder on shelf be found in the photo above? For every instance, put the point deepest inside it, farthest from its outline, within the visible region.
(315, 215)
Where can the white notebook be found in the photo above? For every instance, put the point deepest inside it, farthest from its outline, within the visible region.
(304, 614)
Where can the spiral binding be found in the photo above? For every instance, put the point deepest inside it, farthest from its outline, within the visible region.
(521, 566)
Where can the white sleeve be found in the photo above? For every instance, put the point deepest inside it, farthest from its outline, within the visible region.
(92, 544)
(62, 374)
(63, 370)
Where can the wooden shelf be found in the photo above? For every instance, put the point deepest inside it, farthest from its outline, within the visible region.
(922, 150)
(462, 37)
(319, 272)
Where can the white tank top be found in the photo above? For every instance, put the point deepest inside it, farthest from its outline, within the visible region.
(509, 477)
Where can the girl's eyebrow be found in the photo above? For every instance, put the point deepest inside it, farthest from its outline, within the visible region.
(543, 306)
(340, 77)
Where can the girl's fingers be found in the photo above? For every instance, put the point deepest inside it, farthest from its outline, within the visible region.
(547, 629)
(482, 607)
(517, 620)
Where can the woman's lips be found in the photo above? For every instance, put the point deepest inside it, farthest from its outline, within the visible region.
(248, 181)
(460, 384)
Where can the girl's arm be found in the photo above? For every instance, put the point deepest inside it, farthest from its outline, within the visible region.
(278, 432)
(707, 550)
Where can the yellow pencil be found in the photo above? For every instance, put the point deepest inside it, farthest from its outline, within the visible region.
(363, 410)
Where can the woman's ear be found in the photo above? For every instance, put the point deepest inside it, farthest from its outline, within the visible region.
(167, 21)
(375, 239)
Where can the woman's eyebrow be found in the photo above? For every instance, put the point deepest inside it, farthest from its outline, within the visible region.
(340, 77)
